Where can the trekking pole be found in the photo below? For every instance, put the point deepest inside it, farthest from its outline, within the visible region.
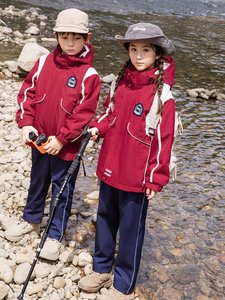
(73, 169)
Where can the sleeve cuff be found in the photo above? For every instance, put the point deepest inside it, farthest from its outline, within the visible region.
(154, 186)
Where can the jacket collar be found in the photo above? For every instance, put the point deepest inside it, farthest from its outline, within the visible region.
(65, 61)
(136, 79)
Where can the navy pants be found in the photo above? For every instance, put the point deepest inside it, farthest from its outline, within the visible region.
(46, 170)
(123, 213)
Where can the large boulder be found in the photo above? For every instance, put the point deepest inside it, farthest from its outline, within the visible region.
(29, 55)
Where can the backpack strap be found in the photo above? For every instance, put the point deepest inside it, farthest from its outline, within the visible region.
(153, 116)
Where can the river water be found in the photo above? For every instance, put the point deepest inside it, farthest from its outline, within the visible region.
(185, 225)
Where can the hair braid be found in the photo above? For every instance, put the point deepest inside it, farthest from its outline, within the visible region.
(119, 77)
(159, 81)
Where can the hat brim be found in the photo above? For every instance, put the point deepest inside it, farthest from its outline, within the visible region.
(161, 41)
(70, 29)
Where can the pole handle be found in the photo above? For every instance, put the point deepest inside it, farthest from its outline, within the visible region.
(76, 162)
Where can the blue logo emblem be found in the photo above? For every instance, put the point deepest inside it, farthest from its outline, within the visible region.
(71, 82)
(138, 109)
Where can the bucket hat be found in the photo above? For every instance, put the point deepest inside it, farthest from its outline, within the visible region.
(72, 20)
(147, 31)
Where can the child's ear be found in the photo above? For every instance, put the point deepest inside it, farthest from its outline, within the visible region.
(88, 37)
(54, 35)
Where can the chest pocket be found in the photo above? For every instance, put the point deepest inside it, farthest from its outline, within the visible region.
(136, 125)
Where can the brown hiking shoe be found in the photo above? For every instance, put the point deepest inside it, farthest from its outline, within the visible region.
(93, 282)
(16, 232)
(113, 294)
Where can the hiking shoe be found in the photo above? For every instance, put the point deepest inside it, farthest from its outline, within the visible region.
(16, 232)
(113, 294)
(93, 282)
(50, 250)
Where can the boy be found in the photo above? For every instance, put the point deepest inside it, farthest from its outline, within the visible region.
(59, 98)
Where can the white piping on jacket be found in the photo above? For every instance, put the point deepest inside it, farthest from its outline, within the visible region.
(159, 150)
(91, 71)
(87, 50)
(40, 66)
(146, 166)
(105, 115)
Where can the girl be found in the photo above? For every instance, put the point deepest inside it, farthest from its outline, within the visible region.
(138, 131)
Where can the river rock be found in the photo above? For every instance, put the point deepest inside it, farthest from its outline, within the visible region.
(88, 296)
(11, 65)
(33, 30)
(59, 282)
(25, 255)
(3, 290)
(170, 293)
(6, 273)
(29, 55)
(67, 256)
(54, 296)
(33, 288)
(42, 270)
(84, 258)
(21, 273)
(108, 78)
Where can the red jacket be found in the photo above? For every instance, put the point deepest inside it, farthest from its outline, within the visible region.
(129, 159)
(62, 100)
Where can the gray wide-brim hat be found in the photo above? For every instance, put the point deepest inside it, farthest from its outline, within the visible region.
(150, 32)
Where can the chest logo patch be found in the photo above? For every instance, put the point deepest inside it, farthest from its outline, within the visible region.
(71, 82)
(138, 109)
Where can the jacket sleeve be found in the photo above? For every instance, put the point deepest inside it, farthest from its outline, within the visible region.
(84, 111)
(26, 99)
(103, 120)
(158, 168)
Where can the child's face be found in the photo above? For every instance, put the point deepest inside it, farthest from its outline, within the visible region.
(71, 43)
(142, 55)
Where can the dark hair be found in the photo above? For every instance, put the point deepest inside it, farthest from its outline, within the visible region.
(119, 77)
(84, 35)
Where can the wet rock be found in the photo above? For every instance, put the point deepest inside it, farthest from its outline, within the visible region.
(205, 94)
(170, 293)
(186, 274)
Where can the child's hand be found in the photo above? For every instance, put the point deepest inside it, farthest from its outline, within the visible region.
(150, 194)
(94, 132)
(25, 133)
(53, 146)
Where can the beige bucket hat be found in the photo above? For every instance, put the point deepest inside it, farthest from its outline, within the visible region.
(72, 20)
(147, 31)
